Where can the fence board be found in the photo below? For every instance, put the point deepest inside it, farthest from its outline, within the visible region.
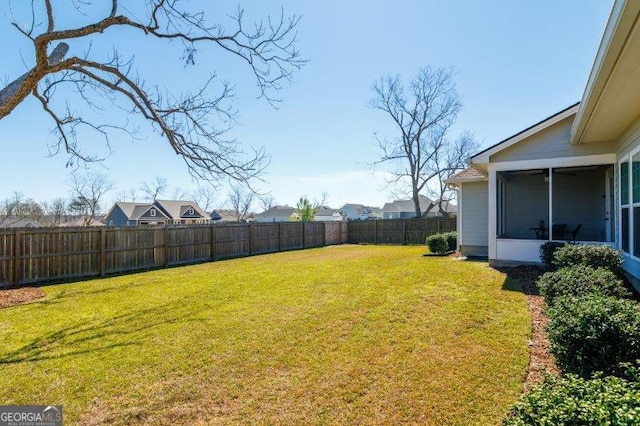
(398, 231)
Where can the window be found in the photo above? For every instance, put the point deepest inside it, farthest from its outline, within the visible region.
(635, 201)
(152, 212)
(191, 211)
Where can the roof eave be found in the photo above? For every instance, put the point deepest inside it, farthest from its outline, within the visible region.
(610, 48)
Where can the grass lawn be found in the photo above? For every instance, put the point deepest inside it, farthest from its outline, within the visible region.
(336, 335)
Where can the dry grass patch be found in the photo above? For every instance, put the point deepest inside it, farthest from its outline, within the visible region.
(350, 334)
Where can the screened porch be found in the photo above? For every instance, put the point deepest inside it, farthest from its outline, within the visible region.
(569, 203)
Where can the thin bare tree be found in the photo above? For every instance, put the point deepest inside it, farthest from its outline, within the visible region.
(240, 201)
(56, 211)
(75, 91)
(266, 201)
(155, 188)
(87, 193)
(205, 197)
(423, 113)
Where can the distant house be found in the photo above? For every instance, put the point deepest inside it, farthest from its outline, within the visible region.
(228, 215)
(160, 212)
(83, 221)
(360, 212)
(405, 209)
(277, 214)
(327, 214)
(12, 222)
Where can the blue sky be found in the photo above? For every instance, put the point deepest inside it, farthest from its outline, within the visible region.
(516, 63)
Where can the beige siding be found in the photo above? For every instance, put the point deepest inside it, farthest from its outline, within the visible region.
(630, 141)
(552, 142)
(475, 214)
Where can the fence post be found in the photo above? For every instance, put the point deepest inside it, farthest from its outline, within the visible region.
(166, 245)
(103, 251)
(17, 270)
(250, 239)
(303, 236)
(324, 234)
(212, 241)
(279, 236)
(404, 231)
(375, 232)
(439, 227)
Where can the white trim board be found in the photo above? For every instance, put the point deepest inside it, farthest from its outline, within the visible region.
(545, 163)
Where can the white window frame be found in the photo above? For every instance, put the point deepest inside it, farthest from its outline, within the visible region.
(191, 211)
(631, 204)
(152, 212)
(623, 160)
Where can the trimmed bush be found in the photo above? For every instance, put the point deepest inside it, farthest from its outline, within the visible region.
(452, 240)
(572, 400)
(596, 256)
(594, 333)
(581, 280)
(437, 243)
(547, 251)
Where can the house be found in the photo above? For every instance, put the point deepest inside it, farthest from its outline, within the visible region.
(12, 222)
(360, 212)
(278, 214)
(327, 214)
(227, 216)
(160, 212)
(574, 175)
(406, 209)
(82, 221)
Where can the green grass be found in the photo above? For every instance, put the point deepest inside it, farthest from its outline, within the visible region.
(337, 335)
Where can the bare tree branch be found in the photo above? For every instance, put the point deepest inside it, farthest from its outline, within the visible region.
(194, 123)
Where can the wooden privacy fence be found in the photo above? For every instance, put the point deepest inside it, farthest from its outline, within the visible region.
(54, 254)
(398, 231)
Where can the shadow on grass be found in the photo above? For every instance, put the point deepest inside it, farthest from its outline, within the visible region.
(522, 278)
(99, 335)
(60, 297)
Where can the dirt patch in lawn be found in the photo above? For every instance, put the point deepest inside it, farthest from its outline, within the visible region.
(16, 296)
(540, 358)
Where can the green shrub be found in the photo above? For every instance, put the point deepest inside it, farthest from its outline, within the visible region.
(547, 250)
(452, 240)
(596, 256)
(581, 280)
(594, 333)
(437, 243)
(572, 400)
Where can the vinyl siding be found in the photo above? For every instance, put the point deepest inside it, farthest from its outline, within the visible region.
(552, 142)
(475, 214)
(117, 218)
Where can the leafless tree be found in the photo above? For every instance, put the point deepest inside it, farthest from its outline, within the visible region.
(87, 192)
(240, 201)
(266, 201)
(157, 187)
(21, 207)
(56, 211)
(75, 91)
(180, 194)
(205, 197)
(423, 114)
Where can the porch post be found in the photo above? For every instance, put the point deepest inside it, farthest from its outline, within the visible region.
(493, 250)
(550, 192)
